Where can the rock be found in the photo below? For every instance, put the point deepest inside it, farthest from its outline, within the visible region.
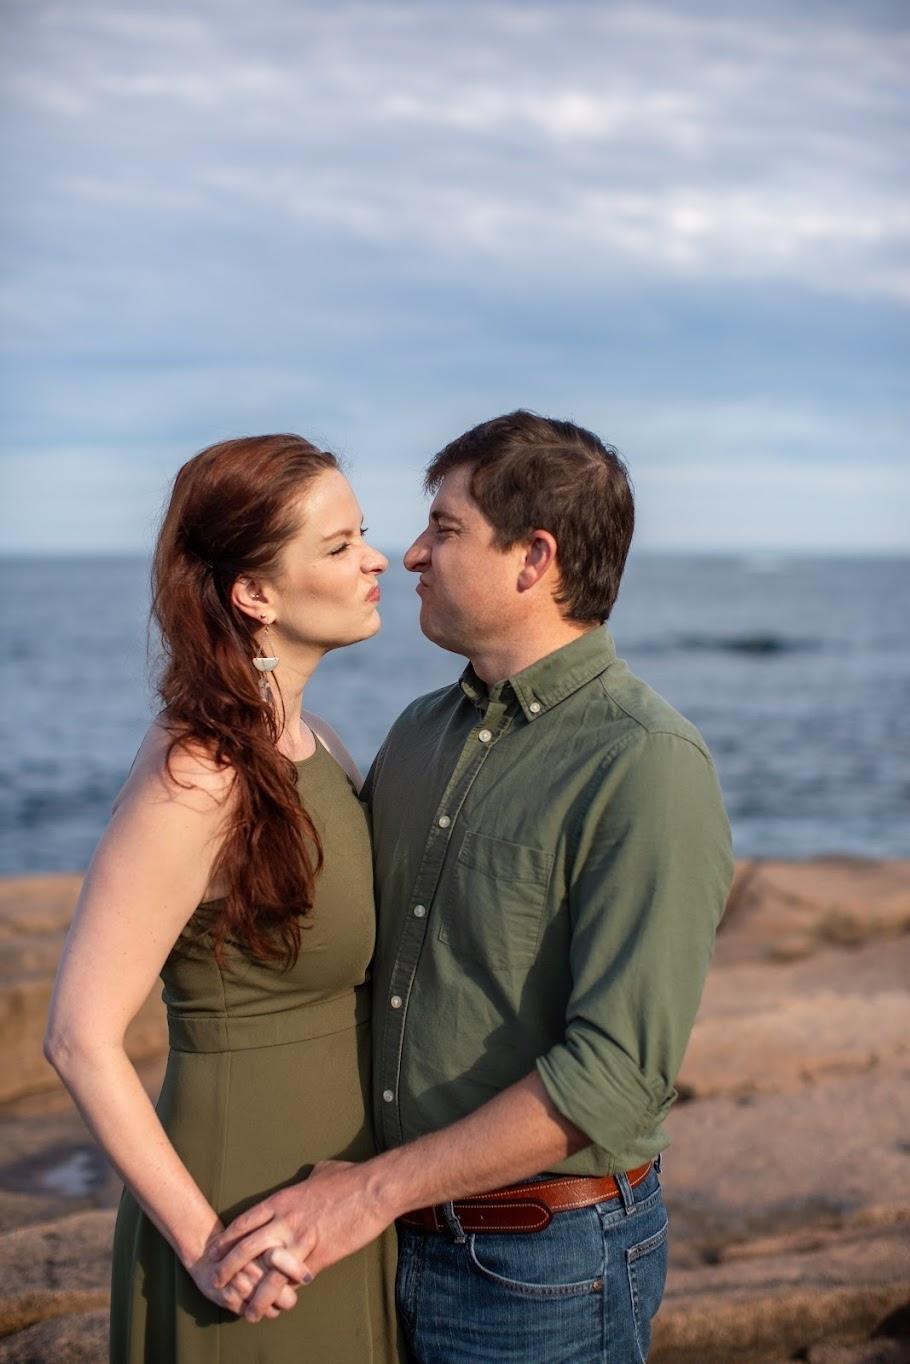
(78, 1339)
(790, 1237)
(777, 911)
(775, 1030)
(758, 1308)
(54, 1269)
(29, 954)
(37, 904)
(50, 1164)
(871, 1352)
(34, 915)
(830, 1152)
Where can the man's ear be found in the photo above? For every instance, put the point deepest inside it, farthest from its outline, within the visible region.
(539, 559)
(252, 597)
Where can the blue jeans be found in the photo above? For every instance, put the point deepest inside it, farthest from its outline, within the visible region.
(583, 1291)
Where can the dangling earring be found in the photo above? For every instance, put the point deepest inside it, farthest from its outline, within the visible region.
(265, 663)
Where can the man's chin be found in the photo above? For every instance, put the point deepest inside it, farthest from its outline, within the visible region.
(437, 634)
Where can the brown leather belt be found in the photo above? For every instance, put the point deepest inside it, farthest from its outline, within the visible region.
(524, 1207)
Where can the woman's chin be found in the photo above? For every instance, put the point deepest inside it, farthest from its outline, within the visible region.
(373, 625)
(365, 631)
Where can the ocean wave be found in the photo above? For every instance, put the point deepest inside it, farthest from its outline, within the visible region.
(761, 644)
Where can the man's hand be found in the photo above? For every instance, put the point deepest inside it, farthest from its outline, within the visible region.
(301, 1230)
(342, 1207)
(234, 1295)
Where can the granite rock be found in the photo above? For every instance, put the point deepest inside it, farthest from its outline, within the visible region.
(77, 1339)
(54, 1269)
(790, 1239)
(837, 1011)
(778, 911)
(34, 914)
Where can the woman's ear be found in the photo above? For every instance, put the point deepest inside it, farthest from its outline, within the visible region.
(253, 598)
(539, 557)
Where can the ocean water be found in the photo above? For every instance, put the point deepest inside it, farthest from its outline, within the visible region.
(796, 670)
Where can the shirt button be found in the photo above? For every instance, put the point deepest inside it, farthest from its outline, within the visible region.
(395, 1001)
(419, 911)
(485, 736)
(444, 821)
(387, 1096)
(534, 707)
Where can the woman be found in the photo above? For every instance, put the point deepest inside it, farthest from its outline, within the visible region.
(237, 866)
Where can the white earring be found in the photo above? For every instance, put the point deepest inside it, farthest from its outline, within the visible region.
(265, 663)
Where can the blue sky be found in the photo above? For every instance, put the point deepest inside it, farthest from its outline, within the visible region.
(684, 225)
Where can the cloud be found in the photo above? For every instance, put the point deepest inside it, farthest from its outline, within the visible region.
(685, 224)
(693, 141)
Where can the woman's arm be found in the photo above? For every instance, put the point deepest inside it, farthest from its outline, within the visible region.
(151, 869)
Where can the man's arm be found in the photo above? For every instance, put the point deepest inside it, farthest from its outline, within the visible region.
(342, 1207)
(649, 875)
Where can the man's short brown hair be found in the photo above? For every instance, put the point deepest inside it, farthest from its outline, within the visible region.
(533, 473)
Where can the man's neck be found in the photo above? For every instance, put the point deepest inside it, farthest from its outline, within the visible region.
(506, 657)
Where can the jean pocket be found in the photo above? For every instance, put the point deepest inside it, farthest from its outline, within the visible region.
(408, 1275)
(521, 1265)
(647, 1269)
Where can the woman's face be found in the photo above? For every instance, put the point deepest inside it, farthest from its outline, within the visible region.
(325, 591)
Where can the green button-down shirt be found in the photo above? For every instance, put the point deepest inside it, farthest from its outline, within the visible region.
(552, 859)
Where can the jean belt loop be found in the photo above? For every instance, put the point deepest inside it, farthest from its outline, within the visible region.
(625, 1192)
(657, 1161)
(456, 1230)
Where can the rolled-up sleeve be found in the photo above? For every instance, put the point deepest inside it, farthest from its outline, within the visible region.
(647, 878)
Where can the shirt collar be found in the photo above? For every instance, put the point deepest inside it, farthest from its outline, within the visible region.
(551, 679)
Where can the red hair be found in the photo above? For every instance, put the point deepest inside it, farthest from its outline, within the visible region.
(232, 509)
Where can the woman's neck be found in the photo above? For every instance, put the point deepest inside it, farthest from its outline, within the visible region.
(288, 682)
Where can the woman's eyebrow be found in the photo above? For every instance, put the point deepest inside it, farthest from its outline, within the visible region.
(337, 534)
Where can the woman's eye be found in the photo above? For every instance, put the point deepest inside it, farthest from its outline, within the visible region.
(347, 543)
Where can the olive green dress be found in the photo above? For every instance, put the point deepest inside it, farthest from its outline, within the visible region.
(268, 1073)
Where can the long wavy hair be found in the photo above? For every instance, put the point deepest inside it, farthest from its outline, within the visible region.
(233, 508)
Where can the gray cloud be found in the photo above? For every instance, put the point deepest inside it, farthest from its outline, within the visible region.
(693, 143)
(379, 219)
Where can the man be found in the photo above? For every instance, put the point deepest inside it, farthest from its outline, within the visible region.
(552, 859)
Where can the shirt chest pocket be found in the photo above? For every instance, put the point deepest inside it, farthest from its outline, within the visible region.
(494, 901)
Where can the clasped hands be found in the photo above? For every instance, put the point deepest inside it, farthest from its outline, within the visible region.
(257, 1264)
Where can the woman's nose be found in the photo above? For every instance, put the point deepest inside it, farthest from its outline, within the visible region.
(376, 561)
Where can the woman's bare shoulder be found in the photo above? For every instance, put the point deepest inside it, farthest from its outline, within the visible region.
(185, 770)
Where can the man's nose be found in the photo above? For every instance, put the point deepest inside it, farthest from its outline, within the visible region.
(416, 557)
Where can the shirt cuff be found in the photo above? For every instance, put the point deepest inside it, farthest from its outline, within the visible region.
(605, 1094)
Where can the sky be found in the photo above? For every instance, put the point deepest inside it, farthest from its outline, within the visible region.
(682, 225)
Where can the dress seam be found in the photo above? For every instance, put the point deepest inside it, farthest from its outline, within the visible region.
(222, 1161)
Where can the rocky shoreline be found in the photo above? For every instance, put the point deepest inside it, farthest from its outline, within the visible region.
(788, 1178)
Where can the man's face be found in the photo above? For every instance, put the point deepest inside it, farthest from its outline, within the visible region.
(468, 587)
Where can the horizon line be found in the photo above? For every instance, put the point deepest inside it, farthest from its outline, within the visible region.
(655, 551)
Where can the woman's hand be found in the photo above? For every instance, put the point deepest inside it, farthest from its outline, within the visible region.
(235, 1295)
(303, 1228)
